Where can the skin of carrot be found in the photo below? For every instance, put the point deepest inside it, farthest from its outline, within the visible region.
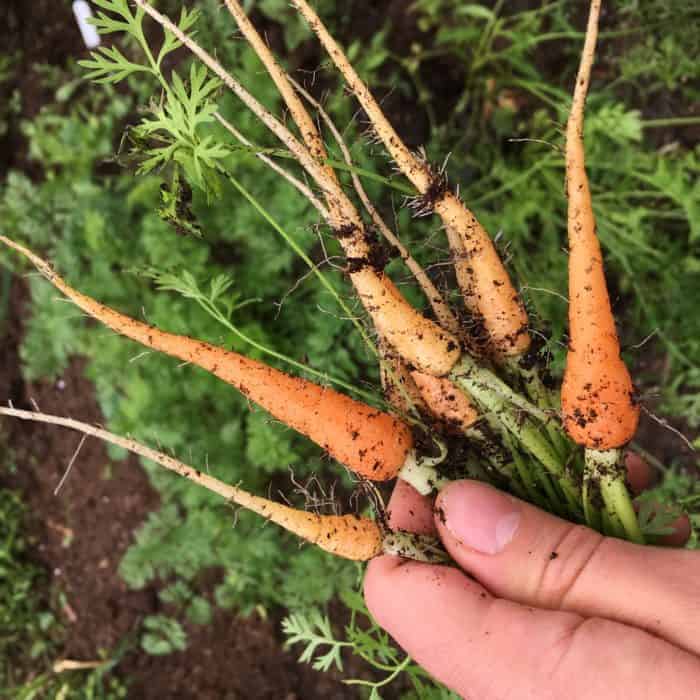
(367, 440)
(446, 401)
(484, 280)
(487, 288)
(597, 395)
(417, 339)
(348, 536)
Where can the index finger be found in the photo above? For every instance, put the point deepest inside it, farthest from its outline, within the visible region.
(410, 511)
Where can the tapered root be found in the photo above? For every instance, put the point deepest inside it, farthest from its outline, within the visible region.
(597, 396)
(369, 442)
(347, 536)
(488, 291)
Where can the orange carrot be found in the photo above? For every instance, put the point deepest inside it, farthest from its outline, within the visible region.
(486, 286)
(485, 283)
(446, 401)
(368, 441)
(417, 339)
(597, 394)
(348, 536)
(430, 348)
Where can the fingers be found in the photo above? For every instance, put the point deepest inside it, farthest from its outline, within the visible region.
(523, 554)
(487, 648)
(639, 473)
(640, 476)
(410, 511)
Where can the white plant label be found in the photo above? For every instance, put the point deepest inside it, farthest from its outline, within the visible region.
(83, 13)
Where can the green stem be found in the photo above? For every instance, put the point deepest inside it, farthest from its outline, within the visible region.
(543, 398)
(606, 467)
(476, 471)
(611, 525)
(507, 186)
(468, 369)
(303, 255)
(669, 121)
(387, 680)
(335, 164)
(479, 384)
(590, 512)
(526, 476)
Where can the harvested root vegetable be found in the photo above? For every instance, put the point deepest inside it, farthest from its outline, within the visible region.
(420, 340)
(349, 536)
(597, 394)
(372, 443)
(486, 286)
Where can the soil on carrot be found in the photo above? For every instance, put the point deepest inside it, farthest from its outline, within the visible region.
(82, 534)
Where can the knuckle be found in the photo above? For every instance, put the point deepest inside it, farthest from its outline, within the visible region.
(575, 554)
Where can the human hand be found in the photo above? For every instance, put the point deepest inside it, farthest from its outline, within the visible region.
(554, 610)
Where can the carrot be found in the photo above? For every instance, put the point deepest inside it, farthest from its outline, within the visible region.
(484, 281)
(597, 394)
(429, 347)
(446, 401)
(372, 443)
(348, 536)
(486, 286)
(416, 338)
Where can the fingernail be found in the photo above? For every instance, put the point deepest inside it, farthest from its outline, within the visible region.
(479, 516)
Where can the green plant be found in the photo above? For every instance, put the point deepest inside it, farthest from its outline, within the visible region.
(30, 634)
(510, 177)
(96, 684)
(324, 650)
(26, 627)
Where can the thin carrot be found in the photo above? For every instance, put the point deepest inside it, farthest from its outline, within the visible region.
(348, 536)
(486, 286)
(372, 443)
(597, 394)
(446, 401)
(430, 348)
(443, 313)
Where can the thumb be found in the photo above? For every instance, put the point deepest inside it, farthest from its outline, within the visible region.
(526, 555)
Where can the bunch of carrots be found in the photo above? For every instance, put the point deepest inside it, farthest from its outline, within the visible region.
(462, 400)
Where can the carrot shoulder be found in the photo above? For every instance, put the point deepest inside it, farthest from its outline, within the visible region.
(367, 440)
(597, 393)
